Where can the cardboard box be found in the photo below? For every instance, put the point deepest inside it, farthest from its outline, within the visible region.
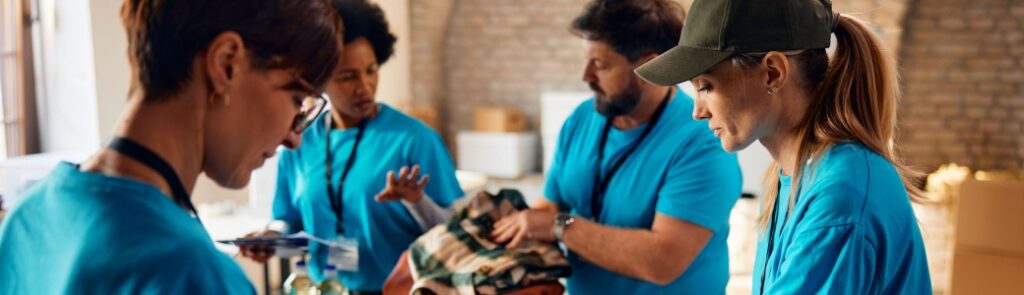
(976, 273)
(989, 255)
(499, 120)
(991, 216)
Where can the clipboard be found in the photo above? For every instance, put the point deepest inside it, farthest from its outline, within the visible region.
(296, 240)
(284, 241)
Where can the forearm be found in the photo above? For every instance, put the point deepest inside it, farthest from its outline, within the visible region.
(544, 205)
(636, 253)
(427, 213)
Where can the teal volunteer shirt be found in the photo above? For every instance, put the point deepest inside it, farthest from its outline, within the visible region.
(382, 230)
(79, 232)
(851, 231)
(680, 170)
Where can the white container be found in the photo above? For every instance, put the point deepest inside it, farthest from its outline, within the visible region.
(18, 174)
(550, 145)
(497, 154)
(555, 107)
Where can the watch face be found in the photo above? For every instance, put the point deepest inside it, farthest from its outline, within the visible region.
(563, 219)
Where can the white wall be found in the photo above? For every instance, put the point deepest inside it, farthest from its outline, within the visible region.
(67, 107)
(395, 86)
(85, 73)
(112, 72)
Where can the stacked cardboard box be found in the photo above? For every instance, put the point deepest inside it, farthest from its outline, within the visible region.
(499, 120)
(499, 145)
(989, 252)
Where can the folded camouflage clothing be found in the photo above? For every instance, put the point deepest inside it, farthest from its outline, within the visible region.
(460, 258)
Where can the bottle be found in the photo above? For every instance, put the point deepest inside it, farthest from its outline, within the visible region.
(331, 285)
(299, 283)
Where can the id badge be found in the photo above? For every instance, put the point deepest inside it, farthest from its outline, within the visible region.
(344, 255)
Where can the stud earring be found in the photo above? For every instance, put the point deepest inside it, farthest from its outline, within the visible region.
(212, 99)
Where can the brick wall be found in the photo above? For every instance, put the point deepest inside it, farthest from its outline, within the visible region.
(886, 17)
(429, 24)
(962, 67)
(963, 70)
(494, 53)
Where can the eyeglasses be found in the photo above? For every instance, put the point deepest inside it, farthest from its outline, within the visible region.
(310, 108)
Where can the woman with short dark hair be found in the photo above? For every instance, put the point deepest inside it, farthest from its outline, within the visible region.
(218, 86)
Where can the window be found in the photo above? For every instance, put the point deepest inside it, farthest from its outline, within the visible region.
(17, 80)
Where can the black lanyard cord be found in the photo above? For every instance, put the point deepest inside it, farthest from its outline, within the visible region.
(336, 196)
(771, 243)
(147, 157)
(771, 240)
(601, 184)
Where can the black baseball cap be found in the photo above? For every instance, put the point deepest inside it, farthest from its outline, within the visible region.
(715, 30)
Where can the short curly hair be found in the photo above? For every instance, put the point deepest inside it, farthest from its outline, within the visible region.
(364, 19)
(632, 28)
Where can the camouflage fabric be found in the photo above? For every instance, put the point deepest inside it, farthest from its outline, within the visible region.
(459, 257)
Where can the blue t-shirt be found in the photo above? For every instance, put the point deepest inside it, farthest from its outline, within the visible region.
(680, 170)
(85, 232)
(852, 231)
(383, 229)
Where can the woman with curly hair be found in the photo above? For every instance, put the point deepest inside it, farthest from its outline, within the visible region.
(356, 180)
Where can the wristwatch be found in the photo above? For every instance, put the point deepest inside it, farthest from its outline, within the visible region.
(563, 221)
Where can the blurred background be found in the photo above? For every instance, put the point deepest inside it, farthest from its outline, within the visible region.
(498, 77)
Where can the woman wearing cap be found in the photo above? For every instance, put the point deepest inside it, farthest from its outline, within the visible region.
(837, 217)
(378, 154)
(218, 86)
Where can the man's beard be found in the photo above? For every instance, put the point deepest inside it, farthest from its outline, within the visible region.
(617, 104)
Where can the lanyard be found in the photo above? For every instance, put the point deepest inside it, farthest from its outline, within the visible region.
(601, 184)
(336, 197)
(147, 157)
(771, 243)
(771, 239)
